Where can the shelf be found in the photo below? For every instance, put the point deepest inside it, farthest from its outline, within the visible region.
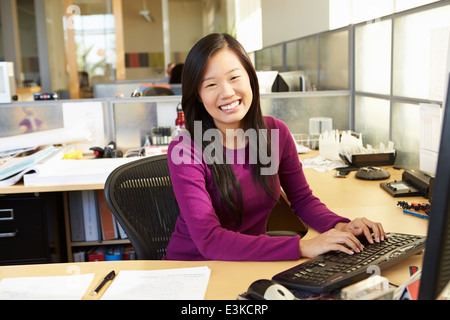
(305, 94)
(96, 243)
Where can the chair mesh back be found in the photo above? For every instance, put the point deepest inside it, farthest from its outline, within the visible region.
(141, 197)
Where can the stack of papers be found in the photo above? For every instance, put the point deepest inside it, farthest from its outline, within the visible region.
(71, 287)
(170, 284)
(13, 169)
(61, 172)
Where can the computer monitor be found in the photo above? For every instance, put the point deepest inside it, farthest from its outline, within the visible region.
(436, 262)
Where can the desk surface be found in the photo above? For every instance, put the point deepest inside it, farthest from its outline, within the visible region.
(349, 197)
(20, 188)
(227, 280)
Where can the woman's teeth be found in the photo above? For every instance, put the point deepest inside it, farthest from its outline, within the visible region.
(230, 106)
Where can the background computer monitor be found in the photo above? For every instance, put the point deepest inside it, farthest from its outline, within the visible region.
(436, 262)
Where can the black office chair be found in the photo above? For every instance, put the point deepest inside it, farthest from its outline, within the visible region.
(141, 197)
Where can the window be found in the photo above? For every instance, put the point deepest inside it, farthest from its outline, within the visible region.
(421, 41)
(392, 80)
(373, 57)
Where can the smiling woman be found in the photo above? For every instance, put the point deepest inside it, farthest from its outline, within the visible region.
(226, 93)
(225, 205)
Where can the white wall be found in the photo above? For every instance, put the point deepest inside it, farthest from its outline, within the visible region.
(284, 20)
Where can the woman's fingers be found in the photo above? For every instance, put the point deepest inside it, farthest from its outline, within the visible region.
(332, 240)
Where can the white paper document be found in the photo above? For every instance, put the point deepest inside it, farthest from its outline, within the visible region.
(72, 287)
(430, 136)
(171, 284)
(85, 116)
(44, 138)
(61, 172)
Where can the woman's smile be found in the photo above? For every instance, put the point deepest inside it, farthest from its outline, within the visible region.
(230, 107)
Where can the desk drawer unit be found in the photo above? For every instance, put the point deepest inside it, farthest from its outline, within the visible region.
(23, 230)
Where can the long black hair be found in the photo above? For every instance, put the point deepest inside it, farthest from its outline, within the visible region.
(224, 178)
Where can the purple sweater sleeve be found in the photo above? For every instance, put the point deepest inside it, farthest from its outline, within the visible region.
(293, 181)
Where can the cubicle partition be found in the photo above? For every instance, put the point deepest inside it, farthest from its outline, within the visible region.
(391, 65)
(128, 121)
(125, 88)
(133, 119)
(296, 108)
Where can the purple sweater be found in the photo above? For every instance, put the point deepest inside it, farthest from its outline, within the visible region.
(199, 235)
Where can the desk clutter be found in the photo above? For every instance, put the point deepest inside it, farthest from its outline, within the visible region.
(375, 287)
(344, 151)
(348, 146)
(413, 183)
(167, 284)
(13, 168)
(38, 152)
(104, 253)
(91, 221)
(338, 276)
(53, 166)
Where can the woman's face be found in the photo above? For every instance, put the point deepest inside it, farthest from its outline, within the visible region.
(225, 90)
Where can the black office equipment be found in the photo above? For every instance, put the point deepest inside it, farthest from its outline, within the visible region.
(268, 290)
(414, 183)
(141, 197)
(400, 189)
(290, 81)
(334, 270)
(372, 159)
(372, 173)
(436, 263)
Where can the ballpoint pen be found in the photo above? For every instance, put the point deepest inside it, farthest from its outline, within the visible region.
(416, 214)
(108, 277)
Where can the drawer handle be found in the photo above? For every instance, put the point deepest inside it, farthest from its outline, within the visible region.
(6, 214)
(8, 234)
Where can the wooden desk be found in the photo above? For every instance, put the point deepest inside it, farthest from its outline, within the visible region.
(349, 197)
(21, 188)
(353, 198)
(227, 281)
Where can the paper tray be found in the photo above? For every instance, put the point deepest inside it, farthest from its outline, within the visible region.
(374, 159)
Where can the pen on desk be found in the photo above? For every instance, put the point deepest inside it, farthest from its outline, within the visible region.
(109, 277)
(416, 214)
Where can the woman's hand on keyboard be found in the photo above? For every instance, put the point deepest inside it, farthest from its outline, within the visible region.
(332, 240)
(363, 227)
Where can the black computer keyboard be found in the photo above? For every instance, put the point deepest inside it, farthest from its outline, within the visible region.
(336, 269)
